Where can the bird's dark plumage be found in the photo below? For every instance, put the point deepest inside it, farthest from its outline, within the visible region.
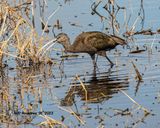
(91, 42)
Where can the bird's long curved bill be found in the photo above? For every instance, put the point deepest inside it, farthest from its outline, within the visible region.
(47, 46)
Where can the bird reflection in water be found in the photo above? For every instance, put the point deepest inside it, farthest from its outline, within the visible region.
(100, 87)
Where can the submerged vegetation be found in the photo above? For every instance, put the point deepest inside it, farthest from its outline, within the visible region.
(35, 84)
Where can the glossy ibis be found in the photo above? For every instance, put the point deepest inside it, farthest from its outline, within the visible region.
(93, 42)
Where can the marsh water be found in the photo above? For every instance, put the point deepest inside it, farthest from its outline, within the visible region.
(73, 92)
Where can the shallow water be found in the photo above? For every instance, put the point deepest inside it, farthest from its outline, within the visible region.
(98, 97)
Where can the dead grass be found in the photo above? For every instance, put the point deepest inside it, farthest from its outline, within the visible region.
(78, 117)
(18, 32)
(51, 123)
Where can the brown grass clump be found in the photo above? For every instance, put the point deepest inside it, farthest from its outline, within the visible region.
(18, 36)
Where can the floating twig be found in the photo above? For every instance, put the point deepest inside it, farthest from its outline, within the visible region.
(69, 56)
(137, 51)
(73, 113)
(137, 72)
(83, 86)
(140, 106)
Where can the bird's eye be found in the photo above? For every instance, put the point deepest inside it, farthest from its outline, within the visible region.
(58, 37)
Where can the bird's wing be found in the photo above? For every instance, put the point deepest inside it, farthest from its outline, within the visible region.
(100, 41)
(82, 45)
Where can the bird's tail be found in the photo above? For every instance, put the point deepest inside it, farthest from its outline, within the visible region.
(119, 40)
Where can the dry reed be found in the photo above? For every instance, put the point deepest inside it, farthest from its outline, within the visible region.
(19, 33)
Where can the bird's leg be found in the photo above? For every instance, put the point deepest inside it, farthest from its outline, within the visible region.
(93, 60)
(109, 61)
(96, 63)
(109, 70)
(96, 58)
(94, 73)
(103, 53)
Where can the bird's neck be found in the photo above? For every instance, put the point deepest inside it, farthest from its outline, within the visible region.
(68, 47)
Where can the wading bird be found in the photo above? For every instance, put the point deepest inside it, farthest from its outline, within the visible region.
(93, 42)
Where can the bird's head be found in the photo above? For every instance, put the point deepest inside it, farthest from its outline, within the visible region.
(62, 38)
